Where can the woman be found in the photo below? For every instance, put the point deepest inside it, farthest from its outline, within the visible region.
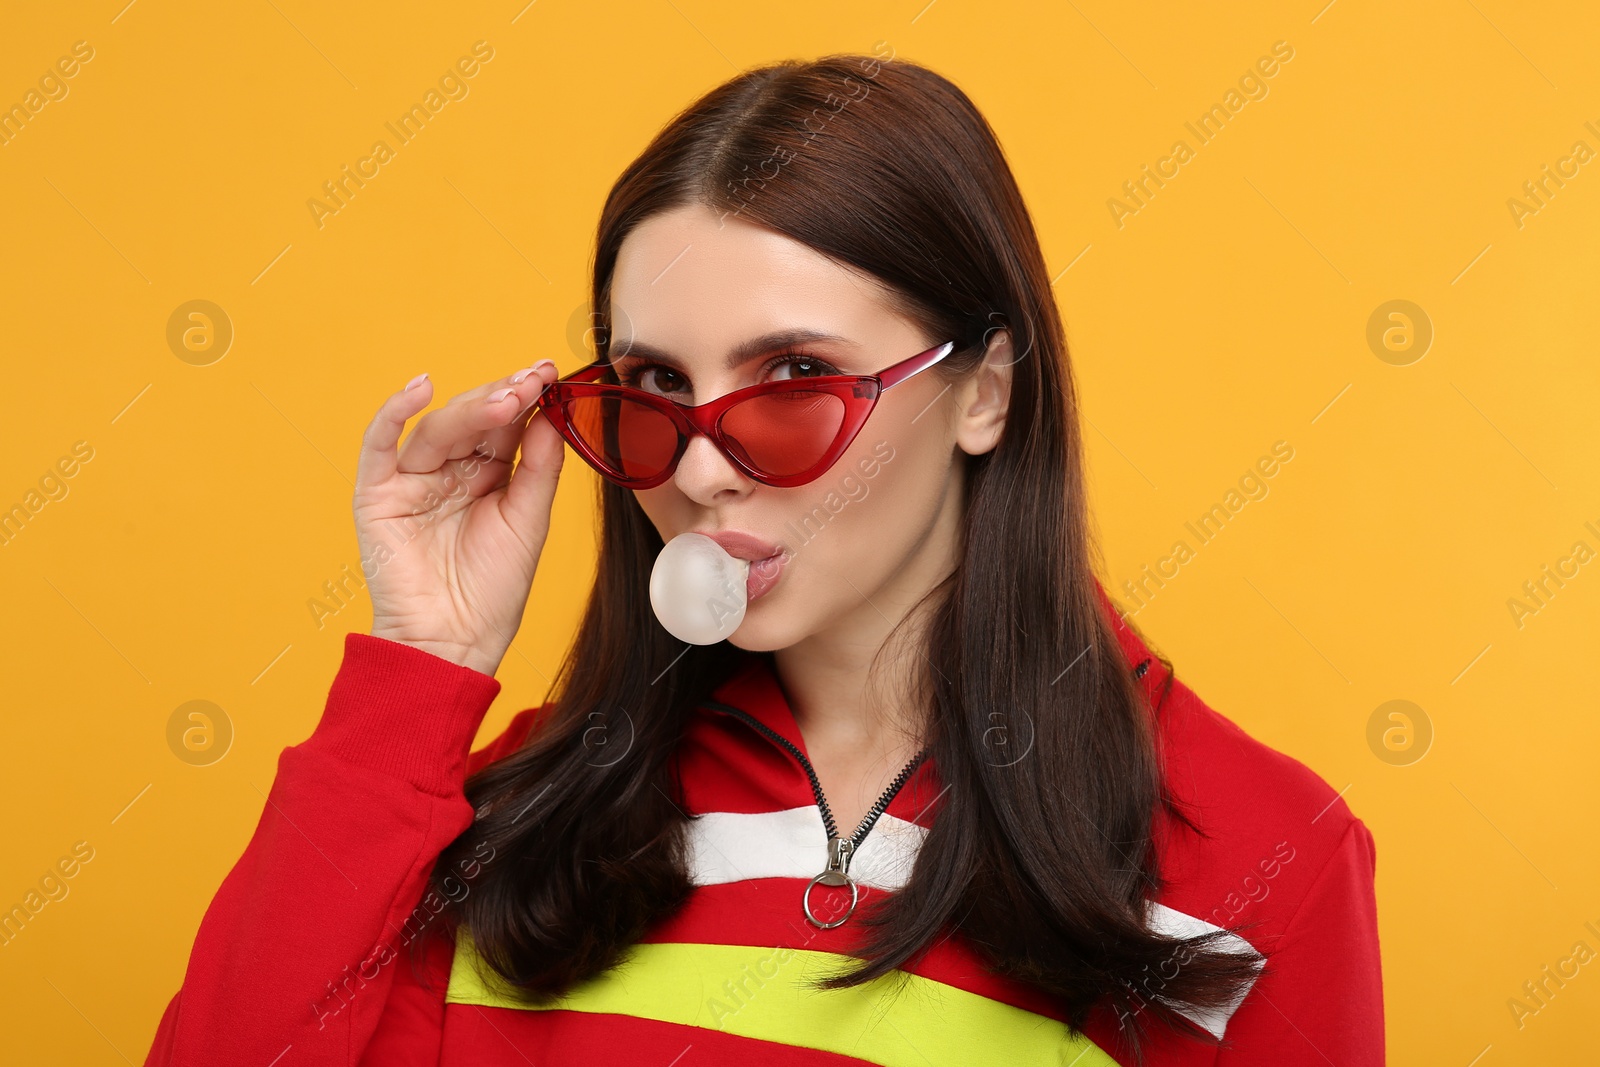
(933, 801)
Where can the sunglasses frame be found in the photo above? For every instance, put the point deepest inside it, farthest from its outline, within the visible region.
(859, 392)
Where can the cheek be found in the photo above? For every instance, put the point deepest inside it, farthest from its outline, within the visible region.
(663, 506)
(867, 512)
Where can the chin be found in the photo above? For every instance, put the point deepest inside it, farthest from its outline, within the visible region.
(738, 641)
(761, 631)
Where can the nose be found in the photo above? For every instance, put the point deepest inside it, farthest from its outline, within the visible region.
(705, 475)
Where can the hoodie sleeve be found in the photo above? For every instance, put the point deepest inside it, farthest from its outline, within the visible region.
(1324, 1004)
(299, 948)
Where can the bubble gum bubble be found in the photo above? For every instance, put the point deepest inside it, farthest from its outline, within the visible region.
(698, 590)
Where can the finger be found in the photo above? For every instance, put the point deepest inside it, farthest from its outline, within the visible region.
(532, 489)
(499, 445)
(376, 462)
(467, 422)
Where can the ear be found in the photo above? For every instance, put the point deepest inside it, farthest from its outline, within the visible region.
(985, 396)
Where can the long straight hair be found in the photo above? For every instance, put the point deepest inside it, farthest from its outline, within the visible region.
(1043, 863)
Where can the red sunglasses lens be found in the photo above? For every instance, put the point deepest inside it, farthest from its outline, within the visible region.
(783, 434)
(779, 434)
(633, 439)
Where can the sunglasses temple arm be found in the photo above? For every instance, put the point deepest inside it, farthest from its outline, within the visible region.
(919, 362)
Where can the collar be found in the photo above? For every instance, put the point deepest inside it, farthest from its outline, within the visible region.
(754, 689)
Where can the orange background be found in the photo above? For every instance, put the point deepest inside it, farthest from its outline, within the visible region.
(1232, 310)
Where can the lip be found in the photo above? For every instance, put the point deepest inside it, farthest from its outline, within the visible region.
(741, 545)
(766, 560)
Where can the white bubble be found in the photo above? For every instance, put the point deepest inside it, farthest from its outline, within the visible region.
(698, 590)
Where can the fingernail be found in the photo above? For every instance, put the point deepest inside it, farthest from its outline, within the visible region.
(543, 363)
(521, 374)
(418, 380)
(496, 397)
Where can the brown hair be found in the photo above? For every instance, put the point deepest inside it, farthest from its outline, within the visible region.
(1043, 863)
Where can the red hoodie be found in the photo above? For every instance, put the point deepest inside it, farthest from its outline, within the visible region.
(303, 958)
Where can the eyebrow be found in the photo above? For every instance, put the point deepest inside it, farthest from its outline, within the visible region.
(744, 352)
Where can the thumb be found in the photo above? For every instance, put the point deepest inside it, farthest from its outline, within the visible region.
(530, 495)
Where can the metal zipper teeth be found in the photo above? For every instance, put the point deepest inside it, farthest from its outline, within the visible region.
(877, 808)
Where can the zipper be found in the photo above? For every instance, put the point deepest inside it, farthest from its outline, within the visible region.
(840, 849)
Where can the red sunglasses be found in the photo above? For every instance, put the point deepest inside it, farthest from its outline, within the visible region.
(781, 433)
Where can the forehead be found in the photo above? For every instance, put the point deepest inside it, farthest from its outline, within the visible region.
(691, 280)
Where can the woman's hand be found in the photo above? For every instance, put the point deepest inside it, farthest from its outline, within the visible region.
(449, 537)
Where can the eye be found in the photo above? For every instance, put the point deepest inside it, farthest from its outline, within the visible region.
(801, 365)
(664, 380)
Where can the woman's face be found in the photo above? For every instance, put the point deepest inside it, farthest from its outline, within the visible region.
(869, 536)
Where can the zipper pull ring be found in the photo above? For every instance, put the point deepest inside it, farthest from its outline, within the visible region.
(840, 849)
